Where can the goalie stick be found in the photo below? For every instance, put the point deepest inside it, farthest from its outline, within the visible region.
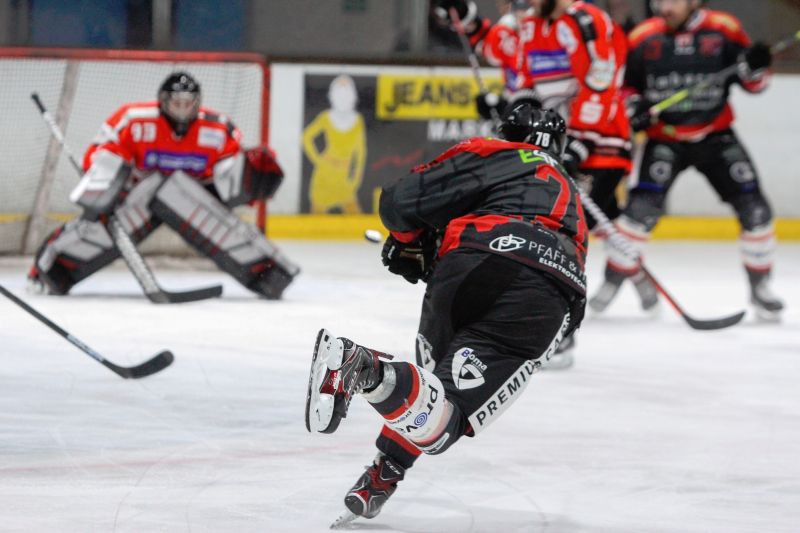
(619, 242)
(133, 259)
(155, 364)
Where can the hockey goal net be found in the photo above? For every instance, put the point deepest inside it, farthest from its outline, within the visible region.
(81, 88)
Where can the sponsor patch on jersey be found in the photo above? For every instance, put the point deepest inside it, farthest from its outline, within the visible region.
(211, 137)
(408, 97)
(165, 161)
(549, 63)
(468, 369)
(507, 243)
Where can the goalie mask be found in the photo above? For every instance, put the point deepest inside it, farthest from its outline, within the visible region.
(179, 101)
(541, 127)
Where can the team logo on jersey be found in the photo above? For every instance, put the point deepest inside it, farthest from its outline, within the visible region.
(165, 161)
(711, 45)
(507, 243)
(654, 50)
(684, 44)
(467, 369)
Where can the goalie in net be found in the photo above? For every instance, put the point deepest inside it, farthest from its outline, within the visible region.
(173, 162)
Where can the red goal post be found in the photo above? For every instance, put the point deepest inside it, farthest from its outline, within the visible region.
(83, 87)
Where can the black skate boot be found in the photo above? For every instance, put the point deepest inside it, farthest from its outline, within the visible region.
(373, 488)
(767, 306)
(340, 368)
(648, 294)
(608, 290)
(564, 356)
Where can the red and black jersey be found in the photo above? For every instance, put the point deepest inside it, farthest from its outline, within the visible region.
(141, 135)
(661, 62)
(511, 199)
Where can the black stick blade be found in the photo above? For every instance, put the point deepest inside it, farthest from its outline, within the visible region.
(714, 323)
(149, 367)
(168, 297)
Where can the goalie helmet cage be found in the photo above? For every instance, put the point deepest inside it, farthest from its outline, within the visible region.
(82, 88)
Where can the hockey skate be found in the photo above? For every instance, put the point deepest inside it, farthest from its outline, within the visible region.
(767, 305)
(340, 368)
(564, 357)
(648, 294)
(608, 291)
(367, 497)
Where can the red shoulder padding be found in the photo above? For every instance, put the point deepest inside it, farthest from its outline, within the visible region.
(645, 30)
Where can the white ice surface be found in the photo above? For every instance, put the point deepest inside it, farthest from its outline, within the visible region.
(657, 428)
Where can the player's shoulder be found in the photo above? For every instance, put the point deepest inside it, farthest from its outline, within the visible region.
(645, 30)
(133, 111)
(721, 21)
(213, 119)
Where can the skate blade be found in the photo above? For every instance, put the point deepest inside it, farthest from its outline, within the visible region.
(344, 520)
(319, 407)
(765, 316)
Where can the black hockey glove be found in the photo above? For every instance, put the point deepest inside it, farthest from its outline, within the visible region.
(641, 121)
(412, 260)
(442, 8)
(485, 102)
(575, 153)
(758, 57)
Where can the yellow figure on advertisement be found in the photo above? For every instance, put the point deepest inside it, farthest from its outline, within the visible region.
(339, 166)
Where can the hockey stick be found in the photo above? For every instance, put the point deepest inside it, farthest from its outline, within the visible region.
(473, 61)
(133, 259)
(155, 364)
(619, 242)
(656, 109)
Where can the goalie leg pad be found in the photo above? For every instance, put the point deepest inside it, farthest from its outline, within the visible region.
(238, 248)
(82, 247)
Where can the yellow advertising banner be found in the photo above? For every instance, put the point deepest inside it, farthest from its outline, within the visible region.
(408, 97)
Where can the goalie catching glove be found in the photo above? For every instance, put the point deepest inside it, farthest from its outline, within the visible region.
(413, 260)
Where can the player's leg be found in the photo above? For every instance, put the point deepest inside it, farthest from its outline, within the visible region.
(506, 317)
(732, 174)
(601, 184)
(213, 230)
(661, 163)
(82, 246)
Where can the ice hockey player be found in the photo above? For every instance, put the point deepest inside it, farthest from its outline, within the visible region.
(498, 43)
(497, 230)
(684, 44)
(175, 162)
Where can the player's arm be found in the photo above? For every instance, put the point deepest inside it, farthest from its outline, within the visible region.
(243, 176)
(595, 66)
(431, 195)
(108, 162)
(754, 59)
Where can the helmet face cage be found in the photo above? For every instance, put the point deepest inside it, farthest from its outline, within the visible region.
(179, 101)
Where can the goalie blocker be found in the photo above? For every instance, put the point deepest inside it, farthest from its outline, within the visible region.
(200, 214)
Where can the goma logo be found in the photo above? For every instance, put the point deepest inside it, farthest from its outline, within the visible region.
(467, 369)
(507, 243)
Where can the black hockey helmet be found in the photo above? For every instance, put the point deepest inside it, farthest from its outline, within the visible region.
(545, 128)
(179, 100)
